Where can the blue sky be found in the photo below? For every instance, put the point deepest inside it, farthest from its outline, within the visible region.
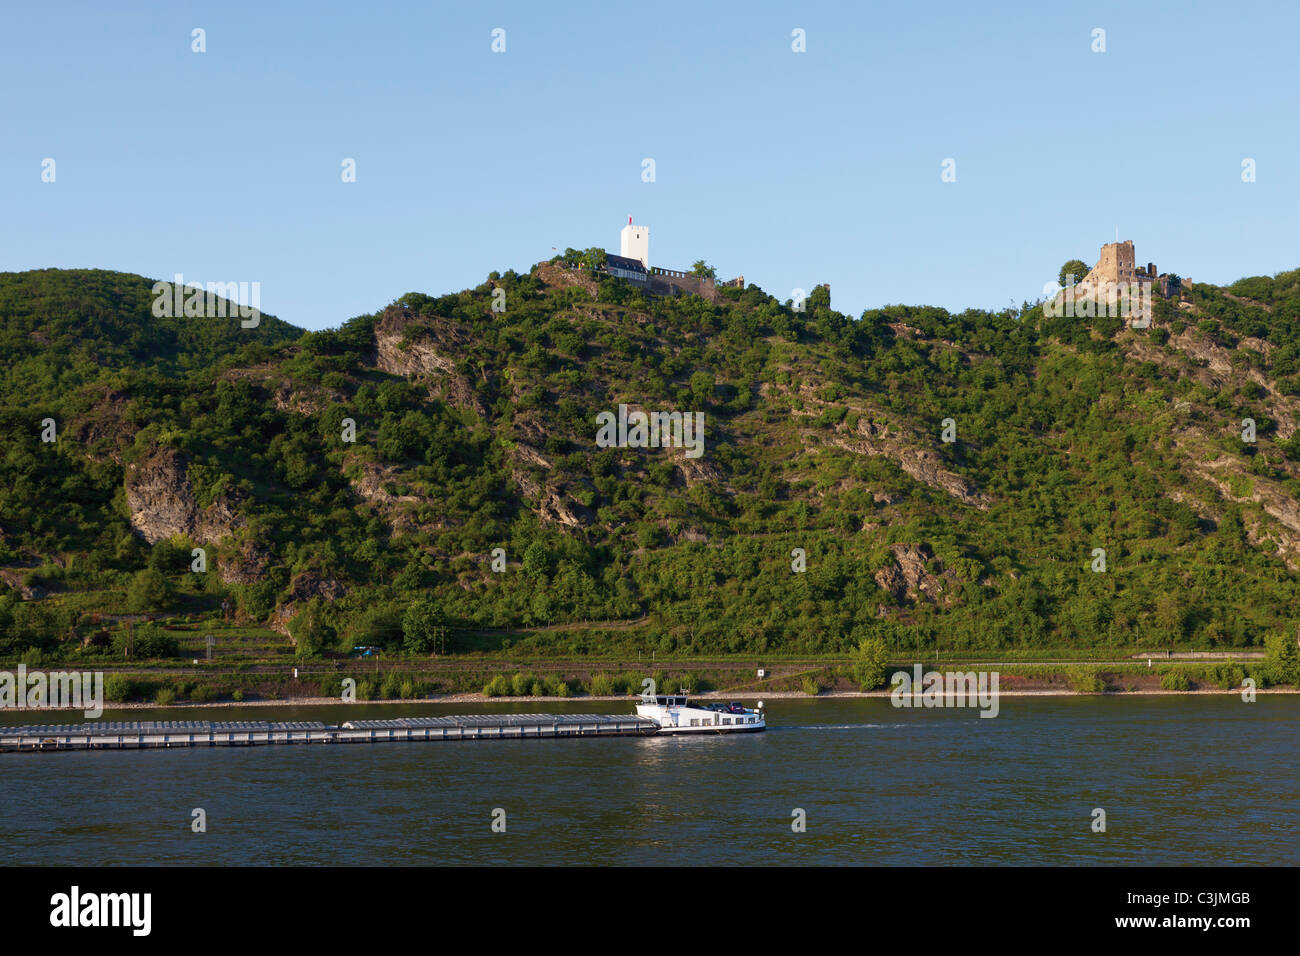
(789, 168)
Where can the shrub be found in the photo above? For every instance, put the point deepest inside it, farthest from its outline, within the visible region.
(625, 683)
(869, 661)
(602, 685)
(146, 640)
(238, 695)
(120, 688)
(811, 687)
(1228, 676)
(1175, 680)
(148, 591)
(498, 686)
(1084, 681)
(311, 630)
(203, 694)
(1283, 661)
(165, 696)
(331, 686)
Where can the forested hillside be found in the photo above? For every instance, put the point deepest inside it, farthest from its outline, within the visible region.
(343, 481)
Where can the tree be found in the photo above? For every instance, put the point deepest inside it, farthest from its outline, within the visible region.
(311, 630)
(148, 591)
(703, 270)
(145, 641)
(1283, 661)
(703, 385)
(1076, 268)
(424, 629)
(593, 258)
(869, 663)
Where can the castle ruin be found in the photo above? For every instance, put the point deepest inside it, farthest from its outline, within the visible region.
(1117, 269)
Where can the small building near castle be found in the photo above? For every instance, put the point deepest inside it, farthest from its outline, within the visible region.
(625, 268)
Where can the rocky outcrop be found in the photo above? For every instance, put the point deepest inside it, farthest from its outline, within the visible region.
(876, 438)
(104, 430)
(908, 578)
(1213, 367)
(15, 579)
(285, 395)
(162, 502)
(558, 277)
(305, 586)
(695, 471)
(425, 349)
(249, 563)
(557, 508)
(876, 435)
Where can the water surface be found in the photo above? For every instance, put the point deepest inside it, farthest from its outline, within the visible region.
(1183, 781)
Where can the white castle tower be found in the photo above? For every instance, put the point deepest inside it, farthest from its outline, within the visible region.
(635, 243)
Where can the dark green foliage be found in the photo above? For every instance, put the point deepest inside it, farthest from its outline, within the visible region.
(144, 641)
(424, 630)
(1071, 437)
(311, 629)
(1075, 268)
(1283, 662)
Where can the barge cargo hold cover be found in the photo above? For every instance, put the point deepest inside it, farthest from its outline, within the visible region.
(148, 735)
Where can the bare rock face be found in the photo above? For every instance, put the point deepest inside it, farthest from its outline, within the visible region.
(103, 430)
(908, 578)
(14, 579)
(248, 565)
(558, 277)
(917, 461)
(529, 470)
(304, 587)
(429, 354)
(904, 444)
(162, 502)
(557, 508)
(694, 471)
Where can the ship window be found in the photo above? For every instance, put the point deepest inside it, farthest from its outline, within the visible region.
(726, 720)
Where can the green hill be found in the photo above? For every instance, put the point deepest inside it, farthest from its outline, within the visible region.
(476, 430)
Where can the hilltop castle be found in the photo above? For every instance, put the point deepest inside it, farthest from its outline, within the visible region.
(633, 263)
(1117, 268)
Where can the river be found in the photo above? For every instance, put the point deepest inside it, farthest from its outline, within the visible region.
(1183, 780)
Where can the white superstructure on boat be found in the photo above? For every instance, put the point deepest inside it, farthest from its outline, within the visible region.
(676, 715)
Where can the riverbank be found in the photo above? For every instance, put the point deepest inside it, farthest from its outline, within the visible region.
(474, 698)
